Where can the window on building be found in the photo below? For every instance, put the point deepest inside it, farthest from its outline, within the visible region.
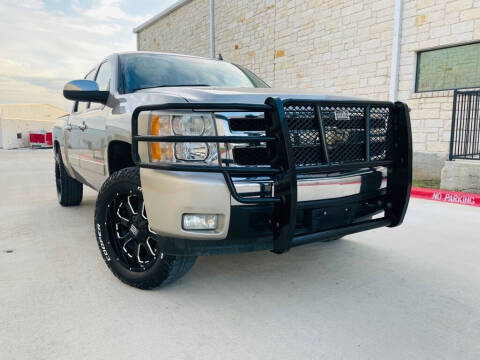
(449, 68)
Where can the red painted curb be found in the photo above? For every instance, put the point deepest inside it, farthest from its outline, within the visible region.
(454, 197)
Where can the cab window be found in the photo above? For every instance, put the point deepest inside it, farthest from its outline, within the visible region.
(82, 106)
(104, 77)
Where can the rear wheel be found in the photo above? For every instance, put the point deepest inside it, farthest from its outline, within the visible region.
(128, 245)
(69, 190)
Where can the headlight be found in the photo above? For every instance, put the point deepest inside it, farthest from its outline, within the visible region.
(183, 125)
(191, 151)
(189, 125)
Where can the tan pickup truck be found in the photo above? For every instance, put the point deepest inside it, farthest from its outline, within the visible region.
(195, 156)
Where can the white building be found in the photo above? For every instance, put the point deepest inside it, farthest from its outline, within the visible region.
(17, 120)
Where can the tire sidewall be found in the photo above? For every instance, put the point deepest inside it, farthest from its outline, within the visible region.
(62, 173)
(58, 162)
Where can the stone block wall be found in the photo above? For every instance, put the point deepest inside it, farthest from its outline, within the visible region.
(341, 47)
(431, 24)
(338, 47)
(184, 31)
(244, 34)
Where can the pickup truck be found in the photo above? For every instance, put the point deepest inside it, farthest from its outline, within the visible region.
(193, 156)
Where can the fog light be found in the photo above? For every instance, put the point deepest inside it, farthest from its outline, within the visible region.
(199, 222)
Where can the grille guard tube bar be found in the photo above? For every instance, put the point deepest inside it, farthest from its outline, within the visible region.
(282, 170)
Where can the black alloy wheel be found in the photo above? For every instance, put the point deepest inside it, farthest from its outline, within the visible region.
(127, 223)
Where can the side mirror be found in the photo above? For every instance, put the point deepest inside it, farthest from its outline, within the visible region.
(84, 90)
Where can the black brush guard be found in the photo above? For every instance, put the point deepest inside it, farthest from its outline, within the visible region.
(282, 169)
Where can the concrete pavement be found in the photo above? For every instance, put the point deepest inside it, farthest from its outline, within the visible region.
(407, 293)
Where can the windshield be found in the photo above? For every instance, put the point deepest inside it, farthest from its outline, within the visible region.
(142, 71)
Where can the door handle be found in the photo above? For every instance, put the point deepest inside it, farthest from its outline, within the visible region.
(68, 127)
(82, 126)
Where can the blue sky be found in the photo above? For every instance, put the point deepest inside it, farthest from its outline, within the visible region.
(44, 43)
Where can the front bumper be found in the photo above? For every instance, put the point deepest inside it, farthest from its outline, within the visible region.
(250, 226)
(289, 213)
(191, 193)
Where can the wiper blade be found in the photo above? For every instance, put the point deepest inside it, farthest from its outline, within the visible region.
(169, 85)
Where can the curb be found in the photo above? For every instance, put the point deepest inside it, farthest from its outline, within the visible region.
(453, 197)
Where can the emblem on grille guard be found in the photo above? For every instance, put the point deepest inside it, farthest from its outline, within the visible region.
(335, 136)
(342, 115)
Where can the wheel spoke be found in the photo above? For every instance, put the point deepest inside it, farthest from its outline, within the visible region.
(150, 229)
(123, 220)
(144, 213)
(129, 238)
(138, 248)
(120, 237)
(149, 246)
(130, 207)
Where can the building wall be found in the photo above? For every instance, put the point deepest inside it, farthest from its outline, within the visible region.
(333, 46)
(10, 128)
(341, 47)
(185, 31)
(244, 34)
(430, 24)
(23, 118)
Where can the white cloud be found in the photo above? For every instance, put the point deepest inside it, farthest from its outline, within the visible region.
(40, 49)
(32, 4)
(110, 10)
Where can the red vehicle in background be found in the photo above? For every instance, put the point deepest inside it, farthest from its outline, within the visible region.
(41, 139)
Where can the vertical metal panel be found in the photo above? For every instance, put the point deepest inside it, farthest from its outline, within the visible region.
(465, 133)
(367, 133)
(323, 138)
(452, 130)
(397, 35)
(212, 28)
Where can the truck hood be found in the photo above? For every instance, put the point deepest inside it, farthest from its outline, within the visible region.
(236, 95)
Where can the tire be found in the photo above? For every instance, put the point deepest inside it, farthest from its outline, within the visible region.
(69, 190)
(127, 243)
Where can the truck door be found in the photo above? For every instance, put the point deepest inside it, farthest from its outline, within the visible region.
(92, 159)
(74, 135)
